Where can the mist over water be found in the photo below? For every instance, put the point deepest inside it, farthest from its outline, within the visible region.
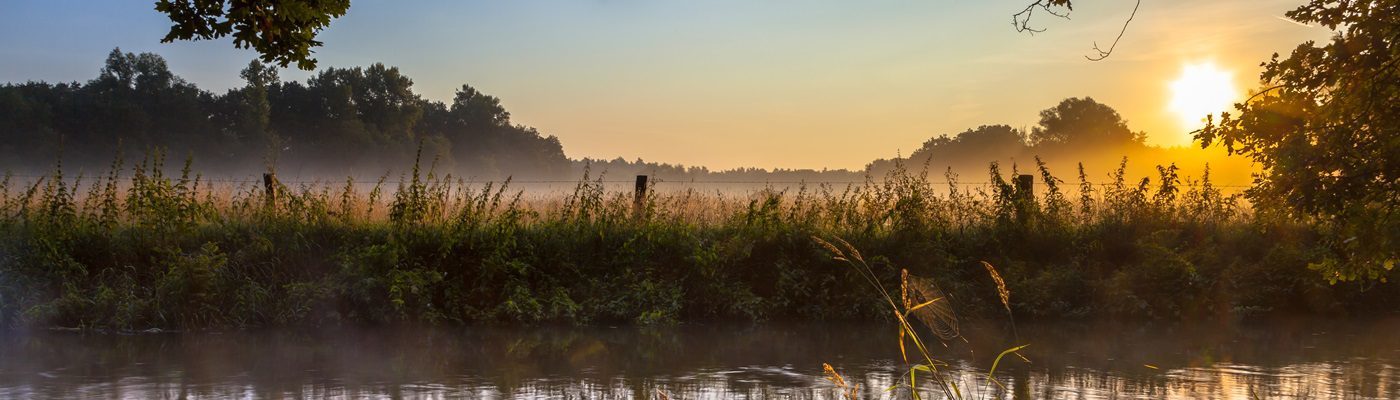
(1315, 359)
(910, 207)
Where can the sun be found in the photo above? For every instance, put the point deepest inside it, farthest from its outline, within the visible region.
(1201, 89)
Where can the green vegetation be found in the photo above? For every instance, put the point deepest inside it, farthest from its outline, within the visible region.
(1327, 134)
(136, 248)
(280, 31)
(339, 121)
(919, 299)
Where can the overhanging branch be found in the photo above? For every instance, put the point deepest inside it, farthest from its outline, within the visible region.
(1104, 54)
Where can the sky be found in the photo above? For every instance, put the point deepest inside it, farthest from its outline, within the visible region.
(725, 83)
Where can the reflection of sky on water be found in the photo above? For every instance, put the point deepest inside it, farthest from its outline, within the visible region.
(1313, 360)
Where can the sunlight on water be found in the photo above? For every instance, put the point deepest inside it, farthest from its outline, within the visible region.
(1303, 361)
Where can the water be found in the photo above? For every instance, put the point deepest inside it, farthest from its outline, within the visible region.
(1281, 359)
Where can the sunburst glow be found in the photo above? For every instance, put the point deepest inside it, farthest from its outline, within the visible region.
(1201, 89)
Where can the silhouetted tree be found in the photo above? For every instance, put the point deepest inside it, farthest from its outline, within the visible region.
(483, 138)
(341, 118)
(246, 112)
(1327, 134)
(974, 147)
(476, 109)
(1083, 122)
(137, 100)
(32, 118)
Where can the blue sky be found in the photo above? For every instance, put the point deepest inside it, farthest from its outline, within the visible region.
(724, 83)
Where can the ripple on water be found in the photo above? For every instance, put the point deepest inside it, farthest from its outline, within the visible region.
(692, 363)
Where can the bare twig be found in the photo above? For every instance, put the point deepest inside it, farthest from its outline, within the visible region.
(1104, 54)
(1022, 20)
(1262, 92)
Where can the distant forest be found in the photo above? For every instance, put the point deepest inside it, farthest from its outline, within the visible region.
(369, 121)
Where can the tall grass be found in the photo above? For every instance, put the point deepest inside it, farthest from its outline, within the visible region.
(919, 299)
(148, 246)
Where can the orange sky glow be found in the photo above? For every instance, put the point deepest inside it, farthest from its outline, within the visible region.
(730, 83)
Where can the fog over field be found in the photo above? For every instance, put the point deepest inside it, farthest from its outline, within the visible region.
(669, 199)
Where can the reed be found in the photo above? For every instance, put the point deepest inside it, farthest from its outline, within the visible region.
(146, 245)
(919, 298)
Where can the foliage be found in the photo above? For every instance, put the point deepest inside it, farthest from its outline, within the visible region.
(1076, 130)
(136, 248)
(1083, 122)
(1327, 134)
(367, 118)
(280, 31)
(919, 300)
(987, 142)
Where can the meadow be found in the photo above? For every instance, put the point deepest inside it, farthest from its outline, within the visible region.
(148, 245)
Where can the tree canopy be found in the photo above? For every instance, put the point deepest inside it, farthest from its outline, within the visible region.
(367, 119)
(1072, 132)
(1083, 122)
(1075, 125)
(281, 31)
(1326, 131)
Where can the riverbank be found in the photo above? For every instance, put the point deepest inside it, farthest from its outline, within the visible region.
(175, 252)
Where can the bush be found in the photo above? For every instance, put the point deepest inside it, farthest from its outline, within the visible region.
(175, 252)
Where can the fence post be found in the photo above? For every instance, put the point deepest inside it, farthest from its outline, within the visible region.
(270, 189)
(639, 198)
(1025, 186)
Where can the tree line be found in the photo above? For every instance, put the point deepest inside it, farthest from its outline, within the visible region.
(340, 120)
(369, 120)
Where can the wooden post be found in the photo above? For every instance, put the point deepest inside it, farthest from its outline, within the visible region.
(640, 195)
(1025, 186)
(270, 189)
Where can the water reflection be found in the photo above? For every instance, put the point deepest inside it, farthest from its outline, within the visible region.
(1288, 359)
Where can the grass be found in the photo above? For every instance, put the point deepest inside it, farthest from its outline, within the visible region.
(921, 299)
(134, 248)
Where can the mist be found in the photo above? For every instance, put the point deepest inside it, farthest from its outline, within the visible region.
(369, 123)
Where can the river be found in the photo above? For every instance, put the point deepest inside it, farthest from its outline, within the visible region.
(1312, 359)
